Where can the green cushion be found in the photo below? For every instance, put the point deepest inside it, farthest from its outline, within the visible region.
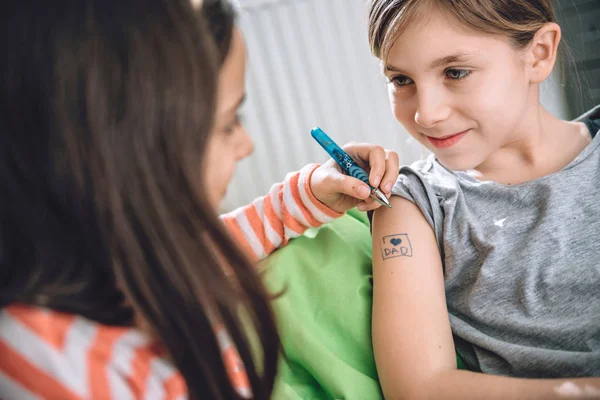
(324, 315)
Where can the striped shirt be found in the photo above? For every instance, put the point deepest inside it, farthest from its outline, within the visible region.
(46, 354)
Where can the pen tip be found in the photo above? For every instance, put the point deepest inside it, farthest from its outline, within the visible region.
(379, 196)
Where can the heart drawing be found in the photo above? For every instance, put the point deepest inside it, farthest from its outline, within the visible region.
(396, 241)
(397, 245)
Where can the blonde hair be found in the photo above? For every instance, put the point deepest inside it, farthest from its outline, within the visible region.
(518, 20)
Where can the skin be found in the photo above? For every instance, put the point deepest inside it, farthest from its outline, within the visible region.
(491, 90)
(510, 139)
(229, 143)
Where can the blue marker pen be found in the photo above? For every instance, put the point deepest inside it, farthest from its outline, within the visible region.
(347, 163)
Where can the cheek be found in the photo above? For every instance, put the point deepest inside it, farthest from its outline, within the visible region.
(401, 108)
(216, 163)
(219, 167)
(498, 96)
(218, 177)
(489, 97)
(226, 163)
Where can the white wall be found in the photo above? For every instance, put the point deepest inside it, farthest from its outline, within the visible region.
(310, 65)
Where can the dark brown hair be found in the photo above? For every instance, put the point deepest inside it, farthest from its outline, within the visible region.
(220, 16)
(106, 107)
(518, 20)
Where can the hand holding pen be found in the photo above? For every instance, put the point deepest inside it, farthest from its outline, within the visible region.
(354, 186)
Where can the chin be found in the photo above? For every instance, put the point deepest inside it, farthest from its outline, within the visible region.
(216, 202)
(221, 199)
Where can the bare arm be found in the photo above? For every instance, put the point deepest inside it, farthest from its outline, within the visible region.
(412, 338)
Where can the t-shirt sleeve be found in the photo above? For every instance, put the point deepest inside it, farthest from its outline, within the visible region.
(417, 184)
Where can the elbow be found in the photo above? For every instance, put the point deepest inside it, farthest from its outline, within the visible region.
(414, 387)
(405, 390)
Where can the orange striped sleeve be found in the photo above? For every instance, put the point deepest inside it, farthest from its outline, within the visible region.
(140, 371)
(290, 223)
(294, 182)
(99, 358)
(175, 387)
(115, 362)
(285, 213)
(274, 219)
(235, 370)
(50, 327)
(235, 231)
(26, 374)
(258, 227)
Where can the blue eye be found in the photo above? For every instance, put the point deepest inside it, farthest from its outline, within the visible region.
(401, 80)
(457, 74)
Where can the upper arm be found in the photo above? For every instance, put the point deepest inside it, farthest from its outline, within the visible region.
(411, 333)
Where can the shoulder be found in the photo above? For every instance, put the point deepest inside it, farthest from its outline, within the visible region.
(592, 120)
(425, 179)
(428, 185)
(66, 356)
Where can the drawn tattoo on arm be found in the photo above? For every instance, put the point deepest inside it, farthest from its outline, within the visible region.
(397, 245)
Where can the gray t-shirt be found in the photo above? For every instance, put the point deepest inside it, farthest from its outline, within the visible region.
(521, 264)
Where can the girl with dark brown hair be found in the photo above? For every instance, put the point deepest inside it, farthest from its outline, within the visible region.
(118, 137)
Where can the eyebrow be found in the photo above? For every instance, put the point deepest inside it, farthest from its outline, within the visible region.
(438, 62)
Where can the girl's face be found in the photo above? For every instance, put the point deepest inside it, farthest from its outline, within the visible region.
(460, 93)
(229, 142)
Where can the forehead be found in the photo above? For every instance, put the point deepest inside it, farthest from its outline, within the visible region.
(232, 73)
(434, 34)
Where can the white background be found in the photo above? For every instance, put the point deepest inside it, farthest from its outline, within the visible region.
(310, 65)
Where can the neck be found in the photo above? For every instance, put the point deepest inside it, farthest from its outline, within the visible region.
(536, 147)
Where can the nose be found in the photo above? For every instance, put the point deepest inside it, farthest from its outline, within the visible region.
(431, 107)
(245, 145)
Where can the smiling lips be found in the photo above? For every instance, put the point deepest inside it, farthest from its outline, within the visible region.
(446, 141)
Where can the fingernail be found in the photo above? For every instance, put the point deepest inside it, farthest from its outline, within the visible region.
(376, 181)
(388, 187)
(362, 207)
(363, 191)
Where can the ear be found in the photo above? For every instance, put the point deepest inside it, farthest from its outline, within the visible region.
(542, 52)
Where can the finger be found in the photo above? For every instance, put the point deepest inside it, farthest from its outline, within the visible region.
(368, 204)
(331, 164)
(351, 186)
(377, 163)
(370, 200)
(392, 169)
(364, 206)
(371, 155)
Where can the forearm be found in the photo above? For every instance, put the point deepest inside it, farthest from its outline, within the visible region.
(457, 384)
